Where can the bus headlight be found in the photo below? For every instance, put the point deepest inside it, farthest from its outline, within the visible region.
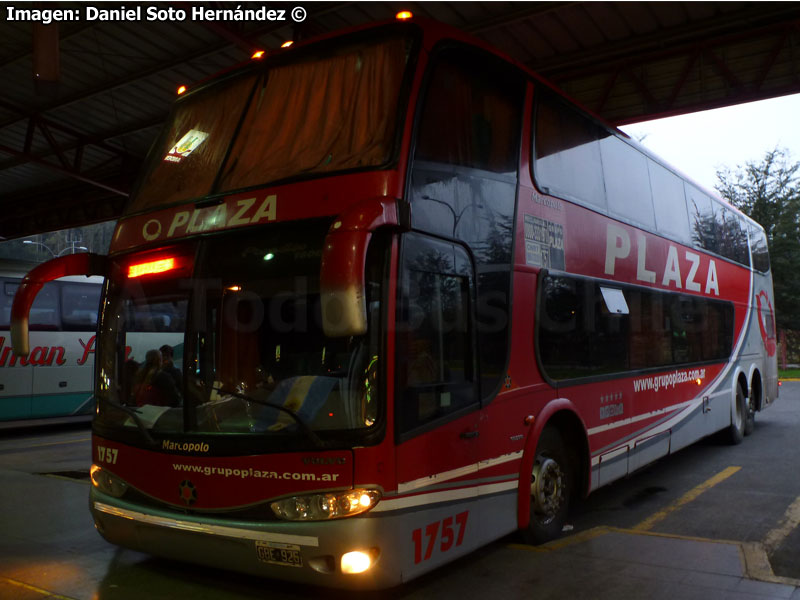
(106, 482)
(319, 507)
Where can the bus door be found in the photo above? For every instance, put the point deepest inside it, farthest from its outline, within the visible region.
(436, 401)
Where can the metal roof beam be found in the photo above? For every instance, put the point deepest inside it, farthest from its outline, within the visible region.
(63, 171)
(97, 140)
(672, 42)
(532, 10)
(36, 117)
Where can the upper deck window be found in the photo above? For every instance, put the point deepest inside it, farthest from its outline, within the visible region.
(471, 116)
(323, 110)
(758, 244)
(322, 115)
(567, 150)
(191, 152)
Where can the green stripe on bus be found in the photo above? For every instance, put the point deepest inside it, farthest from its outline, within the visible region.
(49, 405)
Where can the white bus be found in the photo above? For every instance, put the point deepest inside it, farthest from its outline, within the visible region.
(55, 381)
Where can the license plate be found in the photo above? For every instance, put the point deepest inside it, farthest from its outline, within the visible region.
(275, 553)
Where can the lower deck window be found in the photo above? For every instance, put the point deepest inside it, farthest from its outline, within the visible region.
(580, 335)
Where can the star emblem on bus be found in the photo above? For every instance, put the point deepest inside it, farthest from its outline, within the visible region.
(187, 492)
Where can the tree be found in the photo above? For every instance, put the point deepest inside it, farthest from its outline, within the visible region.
(769, 192)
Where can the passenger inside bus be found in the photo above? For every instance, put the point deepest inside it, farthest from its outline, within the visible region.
(154, 386)
(168, 365)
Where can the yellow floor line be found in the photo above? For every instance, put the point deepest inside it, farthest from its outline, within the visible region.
(789, 522)
(46, 593)
(692, 494)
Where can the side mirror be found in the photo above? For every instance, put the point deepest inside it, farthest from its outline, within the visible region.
(344, 255)
(72, 264)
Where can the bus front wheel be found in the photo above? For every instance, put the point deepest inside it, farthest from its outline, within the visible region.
(552, 482)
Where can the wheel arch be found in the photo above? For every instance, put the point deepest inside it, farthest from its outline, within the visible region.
(756, 387)
(738, 381)
(562, 414)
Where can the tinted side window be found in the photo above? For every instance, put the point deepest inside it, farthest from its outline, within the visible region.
(567, 153)
(471, 116)
(80, 303)
(758, 246)
(44, 312)
(464, 182)
(161, 317)
(669, 203)
(6, 300)
(627, 182)
(435, 363)
(703, 219)
(581, 335)
(733, 238)
(578, 335)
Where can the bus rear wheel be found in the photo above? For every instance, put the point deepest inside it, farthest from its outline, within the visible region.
(552, 482)
(739, 418)
(750, 416)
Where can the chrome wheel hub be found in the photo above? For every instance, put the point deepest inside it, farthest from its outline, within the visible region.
(547, 488)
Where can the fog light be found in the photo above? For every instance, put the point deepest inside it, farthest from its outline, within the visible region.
(356, 562)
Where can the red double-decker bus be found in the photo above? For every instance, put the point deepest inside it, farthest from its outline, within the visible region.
(415, 299)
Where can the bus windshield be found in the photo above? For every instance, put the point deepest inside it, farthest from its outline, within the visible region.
(230, 342)
(320, 111)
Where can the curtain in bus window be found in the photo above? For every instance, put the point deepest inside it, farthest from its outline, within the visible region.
(319, 116)
(238, 343)
(187, 159)
(470, 119)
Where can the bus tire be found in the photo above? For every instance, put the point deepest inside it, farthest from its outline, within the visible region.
(552, 485)
(738, 418)
(750, 415)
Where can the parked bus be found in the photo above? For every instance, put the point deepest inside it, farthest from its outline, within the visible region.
(56, 380)
(421, 300)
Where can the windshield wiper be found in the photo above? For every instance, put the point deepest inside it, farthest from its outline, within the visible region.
(318, 442)
(134, 414)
